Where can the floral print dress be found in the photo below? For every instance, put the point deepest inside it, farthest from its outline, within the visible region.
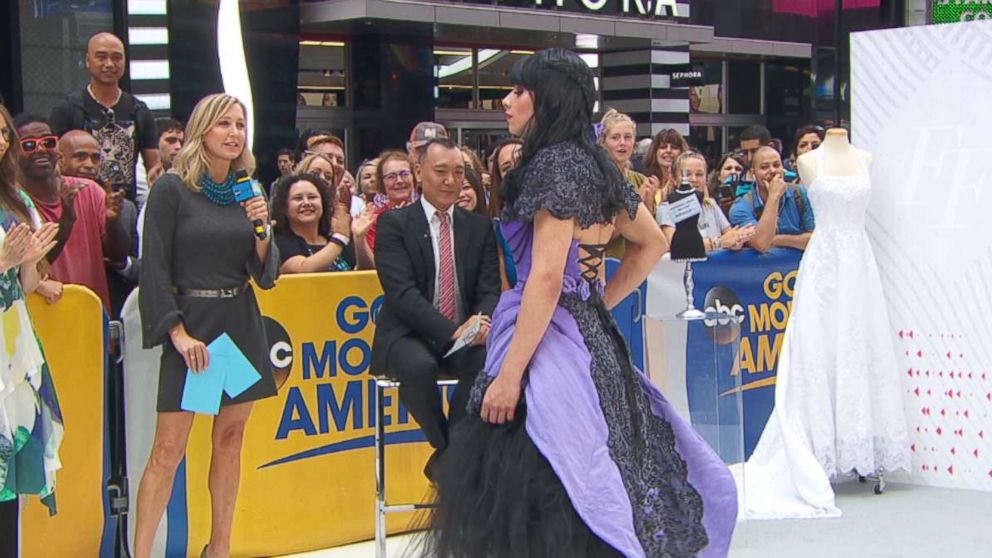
(31, 427)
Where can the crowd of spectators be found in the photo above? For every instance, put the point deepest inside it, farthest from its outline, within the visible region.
(80, 167)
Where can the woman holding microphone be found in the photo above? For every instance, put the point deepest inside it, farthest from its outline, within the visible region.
(199, 250)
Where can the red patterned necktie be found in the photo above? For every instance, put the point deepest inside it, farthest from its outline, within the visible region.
(446, 271)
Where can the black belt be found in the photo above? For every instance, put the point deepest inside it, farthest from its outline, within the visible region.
(211, 293)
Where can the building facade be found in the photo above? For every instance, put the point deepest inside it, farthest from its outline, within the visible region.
(371, 69)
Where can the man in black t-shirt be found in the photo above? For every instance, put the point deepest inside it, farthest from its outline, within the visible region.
(122, 124)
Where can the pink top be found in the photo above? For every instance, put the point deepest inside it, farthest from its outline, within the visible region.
(81, 261)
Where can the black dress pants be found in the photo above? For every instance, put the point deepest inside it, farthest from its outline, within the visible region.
(8, 529)
(417, 367)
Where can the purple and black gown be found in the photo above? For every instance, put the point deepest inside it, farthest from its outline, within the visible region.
(596, 462)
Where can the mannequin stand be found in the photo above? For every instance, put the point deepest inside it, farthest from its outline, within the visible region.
(879, 479)
(690, 312)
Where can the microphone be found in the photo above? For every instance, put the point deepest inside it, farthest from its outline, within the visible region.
(245, 189)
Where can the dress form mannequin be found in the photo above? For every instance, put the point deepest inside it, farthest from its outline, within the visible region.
(839, 158)
(687, 243)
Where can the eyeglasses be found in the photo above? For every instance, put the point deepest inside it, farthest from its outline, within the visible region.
(30, 145)
(391, 177)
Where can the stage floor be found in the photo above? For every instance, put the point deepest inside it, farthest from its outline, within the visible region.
(906, 521)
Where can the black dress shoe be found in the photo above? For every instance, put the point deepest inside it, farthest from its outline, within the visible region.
(432, 466)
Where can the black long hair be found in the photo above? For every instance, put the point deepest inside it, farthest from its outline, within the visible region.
(562, 87)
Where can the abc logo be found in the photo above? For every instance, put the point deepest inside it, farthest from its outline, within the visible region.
(723, 301)
(280, 350)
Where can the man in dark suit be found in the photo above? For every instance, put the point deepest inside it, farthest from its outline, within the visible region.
(439, 271)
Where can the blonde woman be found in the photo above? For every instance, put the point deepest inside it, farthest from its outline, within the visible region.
(618, 135)
(199, 251)
(320, 165)
(713, 225)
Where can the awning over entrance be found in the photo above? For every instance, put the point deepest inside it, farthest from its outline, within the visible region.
(340, 15)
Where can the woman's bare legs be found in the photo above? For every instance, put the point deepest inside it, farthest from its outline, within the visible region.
(168, 449)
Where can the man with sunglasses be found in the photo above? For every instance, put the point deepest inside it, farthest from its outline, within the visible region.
(122, 124)
(77, 204)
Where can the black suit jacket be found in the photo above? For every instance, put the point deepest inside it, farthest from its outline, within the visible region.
(404, 258)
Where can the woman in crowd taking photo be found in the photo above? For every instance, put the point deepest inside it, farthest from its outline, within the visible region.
(199, 252)
(31, 426)
(665, 147)
(473, 196)
(724, 180)
(713, 224)
(567, 449)
(309, 243)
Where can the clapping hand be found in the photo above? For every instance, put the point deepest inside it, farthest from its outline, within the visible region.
(650, 189)
(41, 243)
(15, 246)
(114, 201)
(341, 220)
(361, 224)
(67, 195)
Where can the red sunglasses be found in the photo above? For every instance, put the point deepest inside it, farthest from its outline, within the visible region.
(30, 145)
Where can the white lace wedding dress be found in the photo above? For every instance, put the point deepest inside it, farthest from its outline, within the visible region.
(838, 401)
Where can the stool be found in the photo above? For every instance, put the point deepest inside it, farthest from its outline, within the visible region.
(382, 507)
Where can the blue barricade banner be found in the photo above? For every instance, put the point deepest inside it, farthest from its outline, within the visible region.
(755, 292)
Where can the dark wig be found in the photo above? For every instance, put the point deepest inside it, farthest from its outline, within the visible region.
(563, 92)
(280, 199)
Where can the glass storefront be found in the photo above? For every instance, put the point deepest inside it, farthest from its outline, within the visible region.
(53, 48)
(322, 79)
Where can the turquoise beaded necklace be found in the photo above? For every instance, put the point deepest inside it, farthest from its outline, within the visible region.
(220, 194)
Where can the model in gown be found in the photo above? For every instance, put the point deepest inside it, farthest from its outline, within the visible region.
(568, 450)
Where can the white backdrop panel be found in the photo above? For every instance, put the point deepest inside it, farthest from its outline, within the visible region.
(921, 103)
